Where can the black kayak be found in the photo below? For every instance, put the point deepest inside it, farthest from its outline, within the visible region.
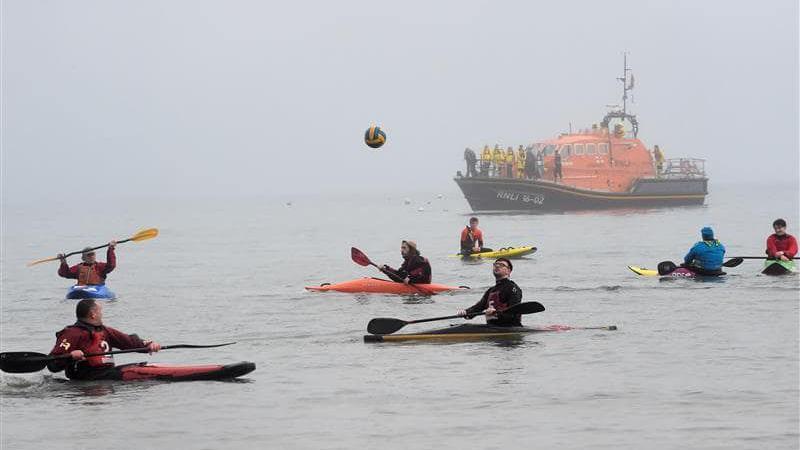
(475, 331)
(168, 372)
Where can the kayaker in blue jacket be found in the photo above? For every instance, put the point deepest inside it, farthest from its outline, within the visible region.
(705, 257)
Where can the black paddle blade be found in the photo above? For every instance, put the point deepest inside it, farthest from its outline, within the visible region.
(666, 267)
(385, 325)
(733, 262)
(23, 362)
(359, 257)
(528, 308)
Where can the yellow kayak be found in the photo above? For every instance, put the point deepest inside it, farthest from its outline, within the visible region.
(506, 252)
(645, 272)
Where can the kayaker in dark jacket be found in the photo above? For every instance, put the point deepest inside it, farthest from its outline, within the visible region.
(705, 257)
(504, 294)
(415, 269)
(781, 245)
(90, 271)
(89, 335)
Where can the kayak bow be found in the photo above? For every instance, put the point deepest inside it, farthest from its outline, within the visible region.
(779, 267)
(96, 291)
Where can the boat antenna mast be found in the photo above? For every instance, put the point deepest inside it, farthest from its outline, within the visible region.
(627, 85)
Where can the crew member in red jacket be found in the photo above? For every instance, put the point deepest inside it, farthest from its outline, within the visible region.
(90, 271)
(88, 335)
(415, 268)
(781, 245)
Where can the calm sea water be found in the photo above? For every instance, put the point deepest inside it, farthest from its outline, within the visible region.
(693, 365)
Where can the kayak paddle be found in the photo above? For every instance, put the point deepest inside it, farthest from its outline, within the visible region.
(736, 260)
(386, 325)
(362, 259)
(141, 235)
(26, 362)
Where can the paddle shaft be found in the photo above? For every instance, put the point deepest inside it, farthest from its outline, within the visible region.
(754, 257)
(131, 350)
(95, 248)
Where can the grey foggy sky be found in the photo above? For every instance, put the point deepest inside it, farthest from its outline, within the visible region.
(247, 97)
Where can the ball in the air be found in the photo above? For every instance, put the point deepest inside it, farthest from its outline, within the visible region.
(374, 137)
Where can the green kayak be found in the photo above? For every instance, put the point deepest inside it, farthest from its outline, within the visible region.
(778, 267)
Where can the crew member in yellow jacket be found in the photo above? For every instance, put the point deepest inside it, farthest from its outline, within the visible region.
(486, 161)
(499, 161)
(520, 162)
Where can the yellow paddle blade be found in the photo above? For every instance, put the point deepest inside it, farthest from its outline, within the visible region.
(143, 235)
(39, 261)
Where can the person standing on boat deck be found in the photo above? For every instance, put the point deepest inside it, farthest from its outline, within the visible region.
(89, 272)
(781, 245)
(415, 269)
(498, 298)
(540, 163)
(89, 335)
(557, 167)
(510, 162)
(705, 257)
(499, 161)
(471, 159)
(472, 238)
(521, 163)
(486, 161)
(658, 155)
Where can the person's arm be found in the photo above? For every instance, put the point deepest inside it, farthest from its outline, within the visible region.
(111, 260)
(771, 248)
(391, 273)
(123, 341)
(477, 308)
(67, 341)
(791, 250)
(65, 271)
(690, 256)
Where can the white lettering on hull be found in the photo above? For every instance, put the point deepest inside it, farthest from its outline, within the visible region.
(536, 199)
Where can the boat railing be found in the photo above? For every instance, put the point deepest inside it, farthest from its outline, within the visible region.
(682, 168)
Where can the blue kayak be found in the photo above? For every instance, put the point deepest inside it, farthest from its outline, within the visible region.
(99, 291)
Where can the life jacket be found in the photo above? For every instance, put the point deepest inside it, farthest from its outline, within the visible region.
(498, 156)
(509, 156)
(521, 159)
(87, 275)
(486, 155)
(99, 345)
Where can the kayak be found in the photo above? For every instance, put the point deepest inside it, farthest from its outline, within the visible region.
(778, 267)
(468, 331)
(507, 252)
(680, 272)
(98, 291)
(146, 371)
(380, 286)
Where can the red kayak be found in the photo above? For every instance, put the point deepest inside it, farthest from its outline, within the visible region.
(379, 286)
(163, 372)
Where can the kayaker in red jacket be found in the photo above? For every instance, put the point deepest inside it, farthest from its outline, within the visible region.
(415, 268)
(504, 294)
(472, 238)
(90, 271)
(781, 245)
(89, 335)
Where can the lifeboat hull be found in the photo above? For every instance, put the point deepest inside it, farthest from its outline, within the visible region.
(506, 194)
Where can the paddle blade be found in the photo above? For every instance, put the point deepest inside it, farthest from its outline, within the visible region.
(733, 262)
(39, 261)
(359, 257)
(143, 235)
(666, 267)
(385, 325)
(528, 308)
(23, 362)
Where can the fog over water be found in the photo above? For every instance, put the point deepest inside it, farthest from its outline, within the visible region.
(188, 98)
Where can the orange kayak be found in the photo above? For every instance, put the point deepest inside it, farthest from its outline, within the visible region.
(379, 286)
